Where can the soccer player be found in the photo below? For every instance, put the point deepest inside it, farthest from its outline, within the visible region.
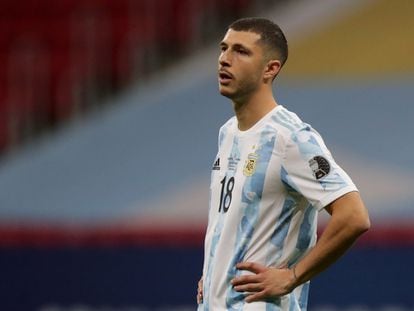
(271, 176)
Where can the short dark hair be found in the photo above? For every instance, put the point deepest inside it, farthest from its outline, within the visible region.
(270, 34)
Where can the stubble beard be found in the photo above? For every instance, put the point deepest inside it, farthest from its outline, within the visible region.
(241, 93)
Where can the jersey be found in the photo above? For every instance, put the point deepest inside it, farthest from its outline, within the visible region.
(267, 185)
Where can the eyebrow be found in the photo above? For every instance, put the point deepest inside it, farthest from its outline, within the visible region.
(235, 45)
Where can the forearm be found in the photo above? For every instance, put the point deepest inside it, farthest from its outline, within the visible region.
(349, 220)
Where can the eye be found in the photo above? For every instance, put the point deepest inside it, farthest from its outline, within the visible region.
(242, 52)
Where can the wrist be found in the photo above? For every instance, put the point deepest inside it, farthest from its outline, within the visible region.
(295, 279)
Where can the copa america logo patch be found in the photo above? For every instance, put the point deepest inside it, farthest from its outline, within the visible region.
(320, 166)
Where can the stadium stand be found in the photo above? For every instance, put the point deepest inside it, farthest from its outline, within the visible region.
(63, 57)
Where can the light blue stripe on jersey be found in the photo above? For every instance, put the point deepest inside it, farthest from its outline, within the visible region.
(283, 223)
(207, 279)
(306, 234)
(222, 134)
(309, 147)
(274, 306)
(251, 196)
(235, 153)
(293, 199)
(293, 303)
(303, 298)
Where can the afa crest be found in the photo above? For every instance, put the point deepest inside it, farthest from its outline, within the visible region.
(250, 164)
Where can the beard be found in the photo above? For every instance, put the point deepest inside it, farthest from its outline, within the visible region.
(240, 91)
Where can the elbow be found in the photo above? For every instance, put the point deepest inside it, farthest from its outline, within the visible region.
(351, 211)
(361, 219)
(365, 226)
(362, 225)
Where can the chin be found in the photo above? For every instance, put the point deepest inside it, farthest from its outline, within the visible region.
(225, 92)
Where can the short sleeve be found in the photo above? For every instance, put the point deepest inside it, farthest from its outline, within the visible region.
(309, 168)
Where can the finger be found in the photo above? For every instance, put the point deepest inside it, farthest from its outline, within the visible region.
(200, 292)
(260, 296)
(199, 298)
(245, 279)
(251, 266)
(251, 287)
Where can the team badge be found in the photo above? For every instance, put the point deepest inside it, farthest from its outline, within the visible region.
(250, 165)
(320, 166)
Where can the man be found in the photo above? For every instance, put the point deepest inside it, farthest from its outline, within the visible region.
(271, 176)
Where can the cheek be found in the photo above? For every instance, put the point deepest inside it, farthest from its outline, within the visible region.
(255, 69)
(253, 74)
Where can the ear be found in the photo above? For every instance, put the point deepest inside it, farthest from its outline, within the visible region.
(271, 70)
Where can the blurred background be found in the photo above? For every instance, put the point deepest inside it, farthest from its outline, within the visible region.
(109, 115)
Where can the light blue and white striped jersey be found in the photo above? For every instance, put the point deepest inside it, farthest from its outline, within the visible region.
(267, 184)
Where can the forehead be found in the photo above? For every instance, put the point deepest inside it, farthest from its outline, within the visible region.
(245, 38)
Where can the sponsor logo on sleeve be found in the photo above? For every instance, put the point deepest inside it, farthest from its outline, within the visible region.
(320, 166)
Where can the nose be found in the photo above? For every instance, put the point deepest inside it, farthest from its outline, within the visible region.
(224, 59)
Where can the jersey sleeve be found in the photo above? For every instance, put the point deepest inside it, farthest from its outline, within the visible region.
(309, 168)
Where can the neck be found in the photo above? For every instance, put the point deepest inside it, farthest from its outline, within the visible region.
(250, 111)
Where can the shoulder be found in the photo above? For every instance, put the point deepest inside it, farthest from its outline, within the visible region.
(296, 137)
(226, 128)
(289, 125)
(229, 125)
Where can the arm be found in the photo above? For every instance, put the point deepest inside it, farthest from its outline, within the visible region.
(349, 220)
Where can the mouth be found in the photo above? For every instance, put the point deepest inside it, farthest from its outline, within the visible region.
(225, 77)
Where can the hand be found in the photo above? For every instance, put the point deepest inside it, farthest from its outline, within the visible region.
(200, 291)
(266, 282)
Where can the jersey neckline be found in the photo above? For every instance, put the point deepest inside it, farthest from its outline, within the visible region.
(258, 124)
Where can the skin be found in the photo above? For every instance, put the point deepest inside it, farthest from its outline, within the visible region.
(250, 90)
